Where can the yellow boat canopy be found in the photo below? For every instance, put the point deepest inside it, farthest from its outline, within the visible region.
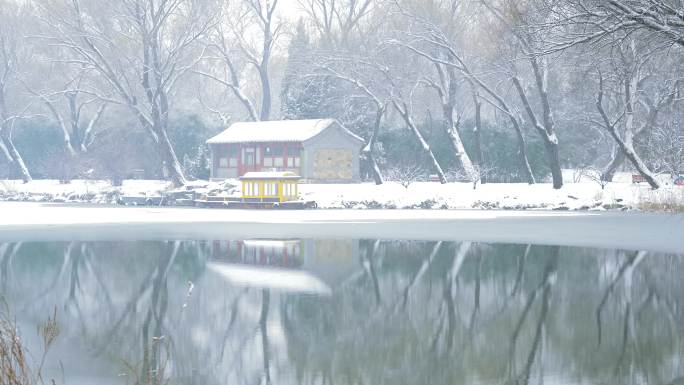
(271, 186)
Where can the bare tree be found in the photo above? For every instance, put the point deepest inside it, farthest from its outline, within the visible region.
(447, 89)
(380, 110)
(69, 104)
(401, 84)
(336, 20)
(13, 55)
(543, 122)
(445, 81)
(220, 51)
(626, 143)
(433, 36)
(140, 48)
(666, 144)
(347, 52)
(248, 34)
(405, 175)
(597, 20)
(76, 111)
(633, 93)
(639, 95)
(264, 12)
(405, 109)
(477, 129)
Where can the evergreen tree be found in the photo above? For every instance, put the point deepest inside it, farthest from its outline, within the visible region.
(298, 51)
(308, 92)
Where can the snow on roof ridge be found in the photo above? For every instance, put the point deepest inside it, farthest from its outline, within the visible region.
(273, 131)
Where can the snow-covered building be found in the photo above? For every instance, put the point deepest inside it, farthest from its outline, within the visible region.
(319, 150)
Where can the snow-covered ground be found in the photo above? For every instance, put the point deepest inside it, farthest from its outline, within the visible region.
(432, 195)
(91, 191)
(584, 195)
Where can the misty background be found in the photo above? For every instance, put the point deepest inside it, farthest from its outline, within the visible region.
(482, 90)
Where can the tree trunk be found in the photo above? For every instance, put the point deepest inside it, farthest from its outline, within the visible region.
(549, 132)
(15, 158)
(373, 167)
(367, 151)
(546, 131)
(404, 112)
(617, 159)
(525, 167)
(628, 149)
(626, 144)
(8, 148)
(5, 153)
(554, 163)
(169, 158)
(477, 131)
(265, 93)
(459, 149)
(263, 66)
(449, 98)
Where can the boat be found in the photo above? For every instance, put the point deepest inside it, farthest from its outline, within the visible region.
(262, 190)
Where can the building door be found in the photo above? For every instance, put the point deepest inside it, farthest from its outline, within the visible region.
(251, 160)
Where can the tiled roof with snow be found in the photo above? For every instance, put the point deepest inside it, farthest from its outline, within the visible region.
(274, 131)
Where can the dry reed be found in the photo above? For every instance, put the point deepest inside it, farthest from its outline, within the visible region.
(15, 365)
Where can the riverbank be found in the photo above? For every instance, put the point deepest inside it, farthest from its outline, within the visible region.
(583, 196)
(622, 230)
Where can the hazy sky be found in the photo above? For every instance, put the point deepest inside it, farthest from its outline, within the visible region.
(290, 9)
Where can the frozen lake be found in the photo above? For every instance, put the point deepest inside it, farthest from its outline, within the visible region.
(185, 296)
(617, 230)
(293, 311)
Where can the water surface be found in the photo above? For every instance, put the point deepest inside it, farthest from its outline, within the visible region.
(318, 311)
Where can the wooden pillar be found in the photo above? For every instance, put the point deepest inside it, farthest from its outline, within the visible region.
(285, 163)
(239, 163)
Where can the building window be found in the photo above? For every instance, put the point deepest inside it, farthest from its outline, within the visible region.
(268, 157)
(223, 162)
(252, 189)
(248, 156)
(273, 156)
(271, 189)
(232, 159)
(290, 190)
(293, 155)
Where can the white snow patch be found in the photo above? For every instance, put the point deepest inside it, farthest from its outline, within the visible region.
(462, 195)
(79, 190)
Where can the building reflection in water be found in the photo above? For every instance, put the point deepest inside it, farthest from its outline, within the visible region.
(292, 265)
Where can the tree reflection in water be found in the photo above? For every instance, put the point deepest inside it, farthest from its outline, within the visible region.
(396, 312)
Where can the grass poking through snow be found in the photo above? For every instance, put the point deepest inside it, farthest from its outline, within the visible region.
(663, 200)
